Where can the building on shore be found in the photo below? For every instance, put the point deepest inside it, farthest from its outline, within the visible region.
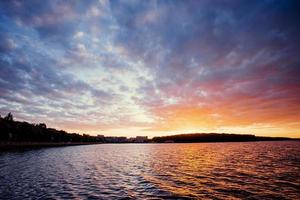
(115, 139)
(141, 139)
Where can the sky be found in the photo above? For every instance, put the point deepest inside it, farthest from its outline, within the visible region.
(128, 68)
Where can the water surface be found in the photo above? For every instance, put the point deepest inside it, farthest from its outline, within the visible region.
(254, 170)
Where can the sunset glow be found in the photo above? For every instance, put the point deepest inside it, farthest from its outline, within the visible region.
(128, 68)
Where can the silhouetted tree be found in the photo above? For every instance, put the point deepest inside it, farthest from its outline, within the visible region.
(9, 117)
(42, 125)
(15, 131)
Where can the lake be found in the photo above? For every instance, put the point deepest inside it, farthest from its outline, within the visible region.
(250, 170)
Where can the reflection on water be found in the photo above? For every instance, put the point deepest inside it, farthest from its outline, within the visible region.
(262, 170)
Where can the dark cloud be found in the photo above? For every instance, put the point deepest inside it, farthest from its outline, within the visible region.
(208, 32)
(55, 20)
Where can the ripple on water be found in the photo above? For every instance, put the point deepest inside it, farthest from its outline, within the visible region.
(263, 170)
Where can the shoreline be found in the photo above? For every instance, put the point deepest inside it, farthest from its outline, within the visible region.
(36, 145)
(7, 146)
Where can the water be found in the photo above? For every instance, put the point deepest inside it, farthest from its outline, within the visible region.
(262, 170)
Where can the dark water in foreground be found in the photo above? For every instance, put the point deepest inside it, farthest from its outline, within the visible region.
(262, 170)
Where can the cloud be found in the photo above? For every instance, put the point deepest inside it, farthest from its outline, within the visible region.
(7, 44)
(228, 55)
(159, 65)
(55, 21)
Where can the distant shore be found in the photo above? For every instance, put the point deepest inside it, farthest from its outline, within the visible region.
(23, 135)
(216, 137)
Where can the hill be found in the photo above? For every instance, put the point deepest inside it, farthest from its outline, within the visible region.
(214, 137)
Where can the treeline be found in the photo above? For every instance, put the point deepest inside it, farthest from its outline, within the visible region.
(213, 137)
(17, 132)
(14, 131)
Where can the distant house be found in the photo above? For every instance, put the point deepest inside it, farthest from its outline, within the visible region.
(131, 139)
(169, 141)
(141, 139)
(100, 138)
(115, 139)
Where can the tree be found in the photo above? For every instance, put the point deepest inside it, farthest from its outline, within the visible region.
(42, 125)
(9, 117)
